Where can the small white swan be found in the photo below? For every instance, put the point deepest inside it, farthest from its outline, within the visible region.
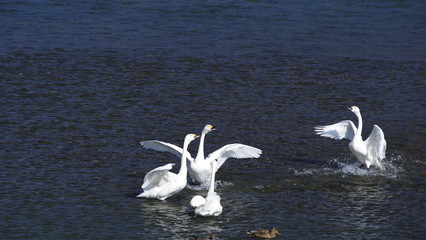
(209, 206)
(368, 152)
(160, 183)
(199, 168)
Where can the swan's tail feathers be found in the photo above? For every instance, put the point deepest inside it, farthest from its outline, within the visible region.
(343, 129)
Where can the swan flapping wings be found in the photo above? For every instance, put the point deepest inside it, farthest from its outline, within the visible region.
(343, 129)
(153, 178)
(376, 143)
(234, 150)
(368, 152)
(165, 147)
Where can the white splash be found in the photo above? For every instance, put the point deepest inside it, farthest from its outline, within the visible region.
(205, 185)
(393, 168)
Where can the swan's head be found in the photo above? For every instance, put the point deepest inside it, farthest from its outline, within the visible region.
(190, 137)
(208, 128)
(354, 109)
(197, 201)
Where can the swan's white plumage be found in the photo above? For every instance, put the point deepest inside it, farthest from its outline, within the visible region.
(233, 150)
(368, 152)
(343, 129)
(160, 183)
(212, 207)
(153, 178)
(209, 206)
(165, 147)
(197, 201)
(199, 168)
(376, 144)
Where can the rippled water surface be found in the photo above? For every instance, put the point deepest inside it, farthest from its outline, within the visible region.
(83, 82)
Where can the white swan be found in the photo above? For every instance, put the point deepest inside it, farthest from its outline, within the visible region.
(209, 206)
(160, 183)
(368, 152)
(200, 173)
(199, 168)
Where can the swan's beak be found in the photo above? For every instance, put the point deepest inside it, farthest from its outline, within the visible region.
(350, 108)
(213, 128)
(196, 136)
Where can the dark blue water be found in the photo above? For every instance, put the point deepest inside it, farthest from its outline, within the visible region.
(83, 82)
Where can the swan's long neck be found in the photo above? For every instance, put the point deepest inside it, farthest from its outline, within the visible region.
(211, 187)
(359, 129)
(200, 154)
(183, 169)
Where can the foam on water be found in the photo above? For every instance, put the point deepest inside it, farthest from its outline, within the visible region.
(347, 167)
(205, 185)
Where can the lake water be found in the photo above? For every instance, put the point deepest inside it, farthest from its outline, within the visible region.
(83, 82)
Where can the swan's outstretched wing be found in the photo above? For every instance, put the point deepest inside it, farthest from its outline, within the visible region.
(154, 177)
(343, 129)
(165, 147)
(234, 150)
(376, 144)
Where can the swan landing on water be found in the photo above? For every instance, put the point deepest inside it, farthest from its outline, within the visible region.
(369, 152)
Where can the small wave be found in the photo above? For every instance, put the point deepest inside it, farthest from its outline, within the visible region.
(205, 185)
(347, 167)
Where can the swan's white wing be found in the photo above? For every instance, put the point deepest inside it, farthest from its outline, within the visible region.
(165, 147)
(234, 150)
(376, 144)
(153, 178)
(343, 129)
